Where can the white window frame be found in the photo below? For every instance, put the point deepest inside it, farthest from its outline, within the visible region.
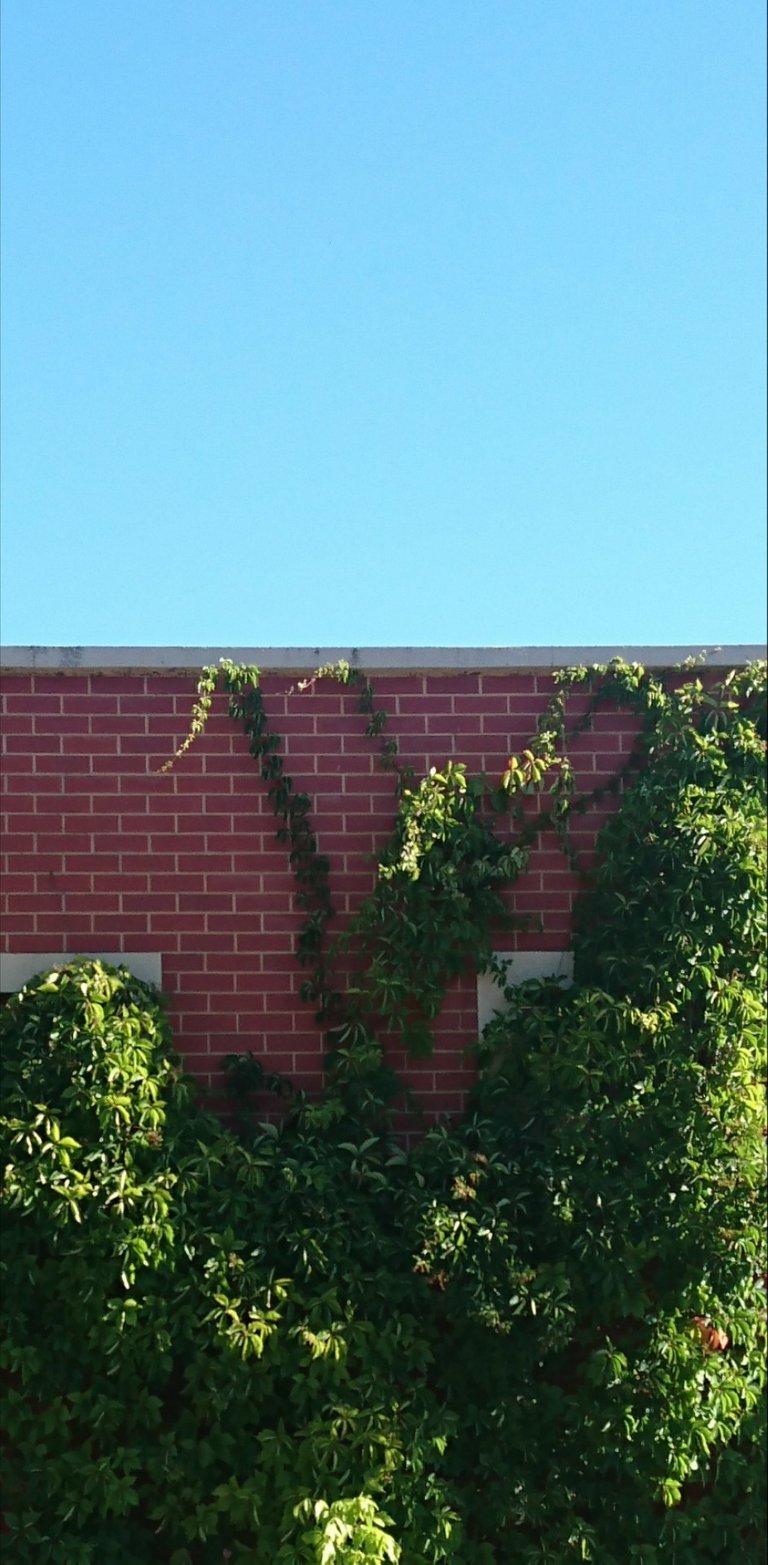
(17, 967)
(520, 966)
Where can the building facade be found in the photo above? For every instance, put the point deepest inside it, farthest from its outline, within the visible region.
(180, 873)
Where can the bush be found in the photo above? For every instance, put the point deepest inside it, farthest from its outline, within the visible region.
(210, 1347)
(537, 1337)
(623, 1123)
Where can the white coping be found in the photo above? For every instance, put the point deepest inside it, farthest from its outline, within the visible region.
(17, 967)
(520, 965)
(302, 660)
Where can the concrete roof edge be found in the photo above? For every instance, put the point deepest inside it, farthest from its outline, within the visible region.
(301, 660)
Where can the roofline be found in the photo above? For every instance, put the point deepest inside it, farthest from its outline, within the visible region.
(400, 660)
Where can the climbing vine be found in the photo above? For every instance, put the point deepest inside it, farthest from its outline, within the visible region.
(438, 897)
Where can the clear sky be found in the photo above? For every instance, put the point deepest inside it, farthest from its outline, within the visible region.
(383, 322)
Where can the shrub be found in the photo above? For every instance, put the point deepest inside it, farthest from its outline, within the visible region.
(621, 1126)
(210, 1346)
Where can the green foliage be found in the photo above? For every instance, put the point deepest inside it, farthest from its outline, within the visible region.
(538, 1336)
(677, 909)
(352, 1530)
(632, 1111)
(436, 903)
(209, 1346)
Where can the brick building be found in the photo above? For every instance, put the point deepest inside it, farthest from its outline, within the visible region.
(180, 874)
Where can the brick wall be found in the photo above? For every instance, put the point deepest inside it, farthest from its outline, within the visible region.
(102, 852)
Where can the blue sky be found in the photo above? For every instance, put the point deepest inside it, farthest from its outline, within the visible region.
(383, 322)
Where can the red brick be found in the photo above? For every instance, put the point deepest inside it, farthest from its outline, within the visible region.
(46, 784)
(134, 789)
(428, 705)
(174, 880)
(27, 700)
(159, 863)
(352, 763)
(26, 821)
(198, 788)
(121, 726)
(243, 984)
(95, 903)
(451, 684)
(149, 902)
(494, 723)
(204, 821)
(100, 821)
(410, 723)
(481, 703)
(117, 684)
(197, 1025)
(32, 943)
(474, 742)
(335, 723)
(128, 744)
(388, 685)
(514, 684)
(89, 744)
(114, 767)
(16, 881)
(98, 783)
(78, 809)
(161, 729)
(280, 963)
(143, 705)
(350, 843)
(228, 882)
(127, 842)
(563, 880)
(180, 924)
(18, 847)
(201, 864)
(298, 723)
(447, 1081)
(240, 1005)
(68, 724)
(197, 1004)
(127, 824)
(204, 902)
(92, 705)
(64, 843)
(29, 902)
(64, 765)
(73, 933)
(32, 745)
(279, 931)
(56, 685)
(525, 710)
(224, 922)
(198, 940)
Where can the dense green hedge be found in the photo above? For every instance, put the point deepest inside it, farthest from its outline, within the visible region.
(537, 1337)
